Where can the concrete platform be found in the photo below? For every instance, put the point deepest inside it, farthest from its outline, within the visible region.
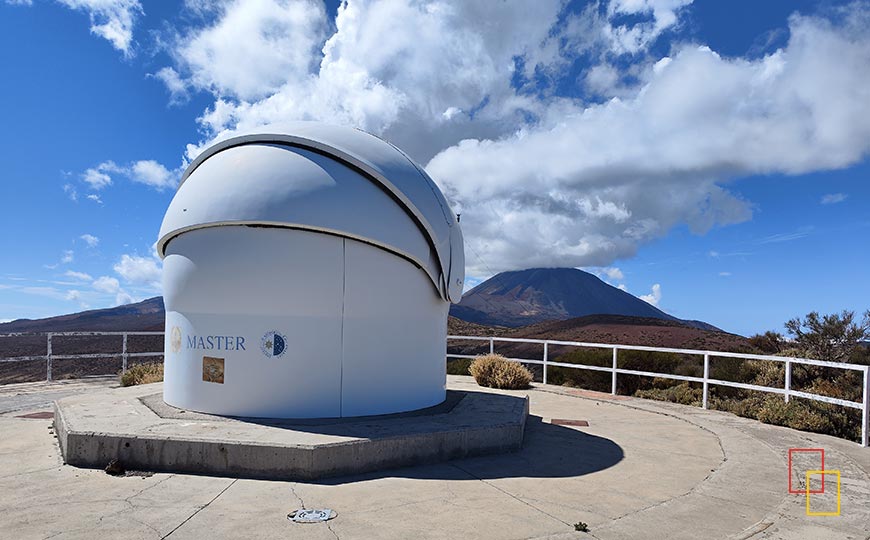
(134, 426)
(640, 469)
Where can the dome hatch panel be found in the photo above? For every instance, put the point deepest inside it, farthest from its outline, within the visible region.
(320, 177)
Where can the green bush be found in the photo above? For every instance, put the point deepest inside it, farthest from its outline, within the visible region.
(683, 393)
(142, 374)
(582, 378)
(495, 371)
(458, 366)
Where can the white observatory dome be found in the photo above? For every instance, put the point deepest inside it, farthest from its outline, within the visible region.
(308, 273)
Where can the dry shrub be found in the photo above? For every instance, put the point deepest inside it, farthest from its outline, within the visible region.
(683, 393)
(496, 371)
(142, 374)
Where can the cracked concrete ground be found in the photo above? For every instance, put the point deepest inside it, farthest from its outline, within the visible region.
(641, 469)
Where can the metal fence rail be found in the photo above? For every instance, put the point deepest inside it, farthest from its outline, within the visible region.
(787, 392)
(706, 381)
(49, 356)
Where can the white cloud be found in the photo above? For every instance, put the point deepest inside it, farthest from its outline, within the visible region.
(662, 155)
(470, 283)
(541, 178)
(613, 273)
(106, 284)
(724, 274)
(173, 82)
(252, 48)
(96, 198)
(153, 174)
(148, 172)
(71, 192)
(78, 276)
(404, 69)
(110, 19)
(90, 240)
(76, 296)
(635, 38)
(654, 297)
(784, 237)
(138, 270)
(68, 256)
(834, 198)
(98, 177)
(19, 3)
(123, 298)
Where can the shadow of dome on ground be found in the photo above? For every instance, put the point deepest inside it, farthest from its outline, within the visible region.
(549, 451)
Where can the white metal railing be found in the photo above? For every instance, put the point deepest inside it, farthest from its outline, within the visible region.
(49, 356)
(706, 381)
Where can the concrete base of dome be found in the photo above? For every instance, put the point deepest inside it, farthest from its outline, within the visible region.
(134, 426)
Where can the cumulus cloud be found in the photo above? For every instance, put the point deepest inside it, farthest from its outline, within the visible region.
(90, 240)
(252, 49)
(654, 296)
(111, 286)
(140, 275)
(67, 257)
(174, 83)
(96, 198)
(662, 156)
(543, 174)
(407, 70)
(106, 284)
(76, 296)
(613, 273)
(138, 270)
(834, 198)
(112, 20)
(661, 14)
(148, 172)
(153, 174)
(98, 177)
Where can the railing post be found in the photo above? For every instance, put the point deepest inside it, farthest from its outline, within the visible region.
(706, 378)
(788, 379)
(865, 411)
(613, 381)
(545, 362)
(124, 354)
(491, 345)
(48, 358)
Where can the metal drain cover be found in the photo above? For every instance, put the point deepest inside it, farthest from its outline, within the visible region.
(315, 515)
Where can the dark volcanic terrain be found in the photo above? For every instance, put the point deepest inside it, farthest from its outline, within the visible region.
(531, 296)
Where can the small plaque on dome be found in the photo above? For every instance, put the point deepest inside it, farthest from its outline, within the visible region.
(213, 369)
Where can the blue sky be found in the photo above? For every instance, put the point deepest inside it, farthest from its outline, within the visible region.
(714, 152)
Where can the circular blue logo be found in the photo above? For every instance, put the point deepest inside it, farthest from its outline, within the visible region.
(273, 344)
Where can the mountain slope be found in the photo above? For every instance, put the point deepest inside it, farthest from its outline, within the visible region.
(526, 297)
(143, 316)
(615, 329)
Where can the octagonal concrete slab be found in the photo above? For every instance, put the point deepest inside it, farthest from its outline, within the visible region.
(133, 426)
